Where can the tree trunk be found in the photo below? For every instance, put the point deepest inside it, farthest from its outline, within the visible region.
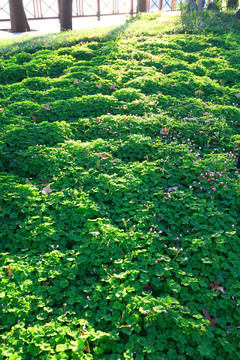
(18, 17)
(142, 6)
(66, 15)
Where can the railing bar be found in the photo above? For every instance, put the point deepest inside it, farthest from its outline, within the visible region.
(77, 7)
(39, 13)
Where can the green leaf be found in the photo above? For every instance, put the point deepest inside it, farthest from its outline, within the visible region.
(61, 347)
(45, 347)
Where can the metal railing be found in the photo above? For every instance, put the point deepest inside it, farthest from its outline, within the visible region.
(50, 9)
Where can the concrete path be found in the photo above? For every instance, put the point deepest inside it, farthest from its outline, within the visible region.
(41, 27)
(53, 26)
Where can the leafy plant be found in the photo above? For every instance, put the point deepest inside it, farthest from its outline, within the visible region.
(120, 194)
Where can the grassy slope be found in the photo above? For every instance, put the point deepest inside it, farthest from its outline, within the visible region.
(115, 262)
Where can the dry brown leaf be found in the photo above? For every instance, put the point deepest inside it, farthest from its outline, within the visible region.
(46, 107)
(206, 314)
(76, 81)
(1, 110)
(214, 284)
(86, 349)
(213, 322)
(9, 271)
(164, 131)
(221, 289)
(102, 156)
(35, 118)
(147, 288)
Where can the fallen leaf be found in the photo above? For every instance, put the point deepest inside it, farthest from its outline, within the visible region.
(174, 188)
(147, 288)
(213, 322)
(102, 156)
(215, 286)
(112, 87)
(46, 107)
(9, 271)
(46, 190)
(99, 86)
(164, 131)
(221, 289)
(86, 151)
(206, 314)
(35, 118)
(1, 109)
(237, 95)
(86, 349)
(76, 81)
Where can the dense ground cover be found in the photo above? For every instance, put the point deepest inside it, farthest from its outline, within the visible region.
(137, 132)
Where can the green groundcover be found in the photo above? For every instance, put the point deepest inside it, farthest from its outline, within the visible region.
(120, 196)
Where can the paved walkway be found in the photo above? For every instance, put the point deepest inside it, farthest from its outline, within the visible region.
(53, 26)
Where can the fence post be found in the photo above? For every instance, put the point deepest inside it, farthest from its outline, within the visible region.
(98, 9)
(142, 6)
